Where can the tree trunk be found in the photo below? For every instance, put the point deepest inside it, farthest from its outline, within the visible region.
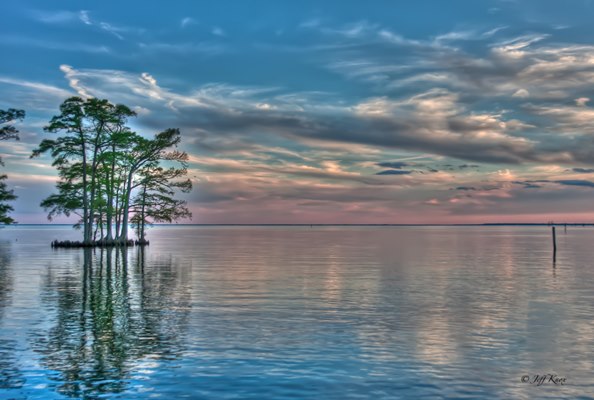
(110, 193)
(123, 237)
(93, 182)
(117, 213)
(86, 231)
(142, 214)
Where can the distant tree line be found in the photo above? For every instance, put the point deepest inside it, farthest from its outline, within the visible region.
(109, 176)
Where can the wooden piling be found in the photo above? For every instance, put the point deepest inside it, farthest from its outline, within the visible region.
(554, 243)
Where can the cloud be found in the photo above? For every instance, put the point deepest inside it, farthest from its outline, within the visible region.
(493, 31)
(37, 86)
(111, 29)
(310, 23)
(54, 17)
(184, 48)
(512, 48)
(187, 21)
(455, 35)
(530, 184)
(523, 66)
(466, 120)
(434, 122)
(44, 44)
(218, 31)
(31, 95)
(353, 30)
(565, 119)
(583, 170)
(521, 93)
(581, 101)
(114, 30)
(393, 164)
(84, 17)
(394, 172)
(70, 74)
(512, 71)
(564, 182)
(576, 182)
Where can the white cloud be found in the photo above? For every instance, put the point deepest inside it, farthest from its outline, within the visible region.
(395, 38)
(54, 17)
(111, 29)
(493, 31)
(83, 15)
(581, 101)
(456, 35)
(114, 30)
(514, 49)
(37, 86)
(376, 107)
(70, 74)
(146, 77)
(204, 48)
(310, 23)
(218, 31)
(436, 121)
(568, 120)
(10, 40)
(354, 30)
(136, 89)
(521, 93)
(187, 21)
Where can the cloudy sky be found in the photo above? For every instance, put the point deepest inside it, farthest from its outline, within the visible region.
(326, 112)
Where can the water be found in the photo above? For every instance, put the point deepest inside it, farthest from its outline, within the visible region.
(299, 313)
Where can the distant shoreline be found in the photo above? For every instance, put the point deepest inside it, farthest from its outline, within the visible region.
(483, 224)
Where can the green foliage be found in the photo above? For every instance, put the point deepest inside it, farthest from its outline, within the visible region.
(8, 131)
(5, 195)
(154, 201)
(103, 165)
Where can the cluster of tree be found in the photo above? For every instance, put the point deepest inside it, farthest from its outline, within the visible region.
(110, 176)
(8, 131)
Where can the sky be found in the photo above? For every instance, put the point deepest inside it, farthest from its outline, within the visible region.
(458, 111)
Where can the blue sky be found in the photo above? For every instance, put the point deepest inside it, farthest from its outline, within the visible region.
(326, 112)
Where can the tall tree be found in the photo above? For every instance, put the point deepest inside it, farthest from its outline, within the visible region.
(70, 154)
(113, 166)
(154, 201)
(103, 166)
(146, 153)
(5, 196)
(8, 131)
(88, 126)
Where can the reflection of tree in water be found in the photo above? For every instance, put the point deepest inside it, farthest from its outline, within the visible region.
(6, 278)
(108, 317)
(10, 375)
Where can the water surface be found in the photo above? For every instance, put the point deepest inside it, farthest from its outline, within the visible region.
(299, 313)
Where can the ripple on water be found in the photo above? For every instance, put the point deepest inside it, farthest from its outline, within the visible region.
(297, 312)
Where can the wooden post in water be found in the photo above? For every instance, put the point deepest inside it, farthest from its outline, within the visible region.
(554, 244)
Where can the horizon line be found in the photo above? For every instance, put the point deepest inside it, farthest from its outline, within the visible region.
(346, 224)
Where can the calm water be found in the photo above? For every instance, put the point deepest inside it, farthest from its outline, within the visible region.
(298, 312)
